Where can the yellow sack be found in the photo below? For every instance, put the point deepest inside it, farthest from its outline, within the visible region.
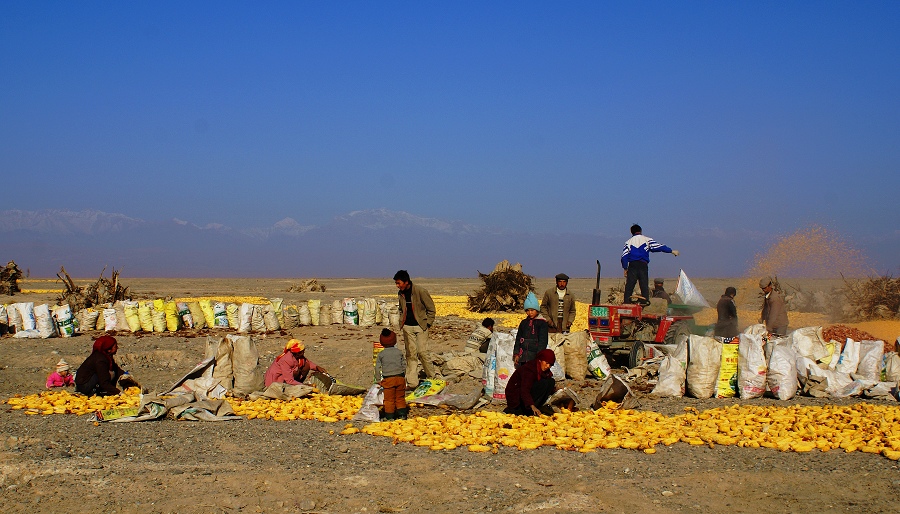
(726, 384)
(197, 315)
(233, 313)
(208, 313)
(427, 387)
(159, 305)
(132, 317)
(314, 307)
(277, 309)
(145, 315)
(172, 318)
(159, 321)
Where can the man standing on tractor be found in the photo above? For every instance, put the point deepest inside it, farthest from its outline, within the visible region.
(635, 260)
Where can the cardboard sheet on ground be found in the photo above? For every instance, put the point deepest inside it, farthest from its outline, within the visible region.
(457, 401)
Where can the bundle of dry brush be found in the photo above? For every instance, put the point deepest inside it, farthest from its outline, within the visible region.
(874, 298)
(9, 279)
(100, 292)
(307, 285)
(504, 289)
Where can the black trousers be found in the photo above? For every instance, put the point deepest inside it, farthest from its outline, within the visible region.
(540, 393)
(638, 272)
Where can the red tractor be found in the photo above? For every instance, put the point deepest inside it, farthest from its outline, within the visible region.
(622, 330)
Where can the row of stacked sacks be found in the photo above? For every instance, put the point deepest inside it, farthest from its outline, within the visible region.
(27, 320)
(802, 363)
(43, 321)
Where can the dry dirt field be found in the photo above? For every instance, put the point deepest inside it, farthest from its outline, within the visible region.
(65, 463)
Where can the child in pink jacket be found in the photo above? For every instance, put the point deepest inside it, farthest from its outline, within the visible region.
(61, 377)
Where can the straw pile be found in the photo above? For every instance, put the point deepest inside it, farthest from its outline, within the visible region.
(504, 289)
(102, 291)
(871, 299)
(9, 278)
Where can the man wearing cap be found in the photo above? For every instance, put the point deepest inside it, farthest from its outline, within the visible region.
(774, 312)
(558, 306)
(659, 291)
(635, 261)
(292, 366)
(416, 317)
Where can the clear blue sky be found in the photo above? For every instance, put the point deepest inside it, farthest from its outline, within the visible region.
(534, 116)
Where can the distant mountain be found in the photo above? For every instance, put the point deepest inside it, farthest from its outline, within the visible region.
(368, 243)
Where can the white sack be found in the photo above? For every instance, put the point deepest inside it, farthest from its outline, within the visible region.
(703, 366)
(781, 376)
(751, 366)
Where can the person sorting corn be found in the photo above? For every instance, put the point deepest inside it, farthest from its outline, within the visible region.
(292, 366)
(99, 373)
(531, 385)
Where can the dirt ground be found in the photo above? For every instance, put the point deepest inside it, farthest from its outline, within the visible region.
(65, 463)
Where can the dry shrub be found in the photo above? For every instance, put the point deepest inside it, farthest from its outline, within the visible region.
(307, 285)
(9, 279)
(871, 299)
(102, 291)
(504, 289)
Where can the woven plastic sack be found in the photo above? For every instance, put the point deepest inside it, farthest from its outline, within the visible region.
(314, 311)
(325, 314)
(233, 312)
(198, 317)
(110, 320)
(248, 377)
(220, 315)
(291, 316)
(221, 349)
(781, 376)
(277, 305)
(132, 317)
(367, 318)
(246, 318)
(270, 318)
(159, 321)
(184, 314)
(209, 315)
(751, 366)
(258, 319)
(337, 312)
(304, 318)
(173, 320)
(145, 316)
(46, 326)
(351, 311)
(703, 366)
(65, 321)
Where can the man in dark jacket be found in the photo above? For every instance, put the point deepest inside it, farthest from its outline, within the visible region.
(659, 291)
(416, 317)
(531, 385)
(727, 324)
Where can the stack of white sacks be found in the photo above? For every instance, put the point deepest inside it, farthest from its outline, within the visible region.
(754, 364)
(26, 320)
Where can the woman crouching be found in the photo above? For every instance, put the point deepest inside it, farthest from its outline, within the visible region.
(531, 385)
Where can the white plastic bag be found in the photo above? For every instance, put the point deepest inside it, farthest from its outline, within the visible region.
(808, 342)
(65, 321)
(110, 320)
(688, 293)
(369, 410)
(870, 357)
(703, 366)
(351, 311)
(751, 366)
(671, 378)
(44, 322)
(782, 373)
(246, 318)
(504, 366)
(849, 357)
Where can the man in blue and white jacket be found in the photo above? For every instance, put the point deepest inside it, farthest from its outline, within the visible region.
(635, 260)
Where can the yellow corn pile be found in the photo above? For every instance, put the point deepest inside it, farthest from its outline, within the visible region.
(865, 427)
(64, 402)
(458, 306)
(320, 407)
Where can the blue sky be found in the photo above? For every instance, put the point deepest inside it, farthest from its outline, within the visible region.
(563, 117)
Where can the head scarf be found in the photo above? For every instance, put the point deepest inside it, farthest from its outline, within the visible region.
(547, 356)
(292, 346)
(104, 344)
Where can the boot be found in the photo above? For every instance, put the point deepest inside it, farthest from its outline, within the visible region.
(402, 413)
(388, 416)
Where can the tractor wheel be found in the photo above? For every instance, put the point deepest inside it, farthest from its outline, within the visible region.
(679, 331)
(638, 352)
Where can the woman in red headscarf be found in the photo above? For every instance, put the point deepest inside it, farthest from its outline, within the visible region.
(99, 373)
(292, 366)
(531, 385)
